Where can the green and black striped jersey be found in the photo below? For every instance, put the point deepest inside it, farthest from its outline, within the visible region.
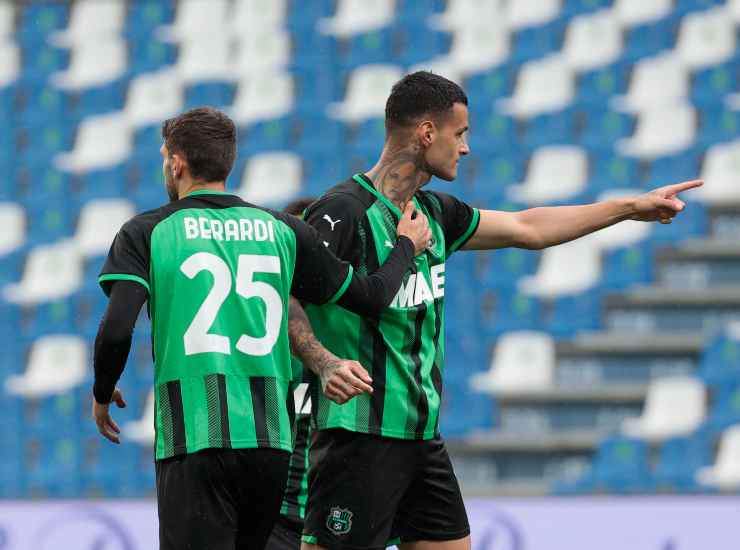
(403, 347)
(219, 272)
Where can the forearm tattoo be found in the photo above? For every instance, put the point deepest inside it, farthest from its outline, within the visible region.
(303, 342)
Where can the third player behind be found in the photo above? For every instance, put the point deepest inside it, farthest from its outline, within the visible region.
(379, 467)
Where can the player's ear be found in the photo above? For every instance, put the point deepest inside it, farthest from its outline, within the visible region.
(426, 132)
(177, 165)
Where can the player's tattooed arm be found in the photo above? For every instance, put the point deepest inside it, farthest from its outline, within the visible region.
(341, 379)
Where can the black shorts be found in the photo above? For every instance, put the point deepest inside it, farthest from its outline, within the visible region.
(366, 490)
(286, 535)
(219, 499)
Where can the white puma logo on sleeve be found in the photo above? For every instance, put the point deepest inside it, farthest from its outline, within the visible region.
(331, 222)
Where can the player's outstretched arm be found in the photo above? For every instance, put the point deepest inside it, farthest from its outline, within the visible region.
(112, 346)
(341, 379)
(539, 228)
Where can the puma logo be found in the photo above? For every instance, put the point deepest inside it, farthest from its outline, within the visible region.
(388, 244)
(326, 244)
(331, 222)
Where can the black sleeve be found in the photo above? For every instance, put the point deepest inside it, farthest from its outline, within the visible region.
(320, 277)
(336, 217)
(113, 341)
(128, 258)
(459, 220)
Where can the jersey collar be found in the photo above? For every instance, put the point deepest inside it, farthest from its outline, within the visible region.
(207, 192)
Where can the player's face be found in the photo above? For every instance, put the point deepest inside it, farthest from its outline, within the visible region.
(169, 176)
(449, 143)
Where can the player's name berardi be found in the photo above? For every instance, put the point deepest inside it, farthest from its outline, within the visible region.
(242, 229)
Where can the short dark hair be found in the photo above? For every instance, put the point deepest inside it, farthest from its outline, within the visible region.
(298, 206)
(420, 93)
(206, 137)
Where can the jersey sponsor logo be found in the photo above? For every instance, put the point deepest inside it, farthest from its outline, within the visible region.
(388, 244)
(339, 521)
(331, 222)
(242, 229)
(418, 290)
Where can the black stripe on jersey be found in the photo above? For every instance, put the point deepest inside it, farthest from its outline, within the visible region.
(218, 412)
(174, 393)
(436, 370)
(272, 410)
(257, 389)
(422, 406)
(165, 419)
(297, 468)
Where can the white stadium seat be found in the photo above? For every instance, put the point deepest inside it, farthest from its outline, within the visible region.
(543, 85)
(367, 91)
(442, 65)
(93, 63)
(142, 431)
(358, 16)
(263, 96)
(721, 174)
(99, 222)
(555, 173)
(7, 19)
(655, 81)
(592, 41)
(661, 131)
(271, 178)
(706, 38)
(674, 406)
(102, 141)
(203, 19)
(10, 62)
(522, 362)
(153, 97)
(637, 12)
(205, 60)
(569, 268)
(724, 474)
(459, 14)
(478, 47)
(733, 7)
(531, 13)
(248, 16)
(56, 364)
(13, 222)
(51, 272)
(261, 50)
(91, 21)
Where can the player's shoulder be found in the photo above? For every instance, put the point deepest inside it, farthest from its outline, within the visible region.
(437, 200)
(348, 198)
(144, 222)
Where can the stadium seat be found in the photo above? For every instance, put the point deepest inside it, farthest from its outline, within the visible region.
(649, 39)
(522, 362)
(724, 474)
(56, 364)
(706, 38)
(592, 41)
(99, 222)
(7, 20)
(661, 131)
(358, 16)
(204, 60)
(538, 41)
(719, 171)
(543, 85)
(102, 141)
(262, 50)
(569, 268)
(567, 163)
(733, 7)
(604, 127)
(93, 63)
(250, 16)
(264, 96)
(635, 12)
(656, 81)
(10, 63)
(620, 466)
(530, 13)
(628, 266)
(720, 362)
(725, 411)
(91, 21)
(675, 406)
(142, 430)
(477, 48)
(712, 82)
(575, 313)
(13, 222)
(271, 179)
(153, 97)
(367, 90)
(204, 19)
(51, 272)
(679, 460)
(459, 14)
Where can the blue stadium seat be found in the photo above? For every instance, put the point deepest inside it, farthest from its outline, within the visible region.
(725, 411)
(269, 135)
(609, 171)
(720, 362)
(305, 14)
(683, 7)
(502, 269)
(53, 467)
(217, 94)
(707, 85)
(482, 89)
(649, 39)
(493, 130)
(413, 47)
(512, 310)
(145, 16)
(150, 55)
(603, 128)
(575, 313)
(579, 7)
(41, 59)
(464, 411)
(628, 266)
(673, 168)
(551, 129)
(718, 124)
(417, 11)
(539, 41)
(39, 19)
(376, 46)
(680, 458)
(597, 86)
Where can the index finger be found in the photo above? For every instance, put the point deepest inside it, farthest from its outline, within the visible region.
(684, 186)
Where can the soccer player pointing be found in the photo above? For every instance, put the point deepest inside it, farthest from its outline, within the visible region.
(379, 468)
(217, 274)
